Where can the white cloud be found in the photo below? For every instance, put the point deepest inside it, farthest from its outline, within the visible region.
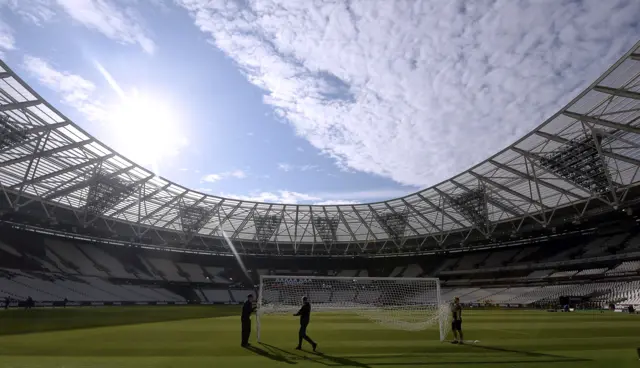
(289, 167)
(418, 90)
(335, 202)
(117, 20)
(37, 12)
(7, 41)
(285, 167)
(281, 196)
(236, 174)
(328, 198)
(74, 90)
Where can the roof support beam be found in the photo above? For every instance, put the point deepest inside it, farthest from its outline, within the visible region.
(226, 217)
(244, 222)
(18, 105)
(508, 190)
(437, 208)
(164, 206)
(610, 154)
(64, 171)
(635, 57)
(618, 92)
(513, 212)
(364, 222)
(420, 214)
(602, 122)
(44, 128)
(178, 215)
(46, 153)
(471, 223)
(346, 224)
(158, 190)
(83, 184)
(529, 177)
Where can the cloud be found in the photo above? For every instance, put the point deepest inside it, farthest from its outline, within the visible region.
(281, 196)
(7, 41)
(289, 167)
(116, 20)
(74, 90)
(335, 202)
(36, 12)
(119, 24)
(285, 167)
(236, 174)
(417, 91)
(327, 198)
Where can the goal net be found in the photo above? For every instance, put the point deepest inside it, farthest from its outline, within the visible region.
(412, 304)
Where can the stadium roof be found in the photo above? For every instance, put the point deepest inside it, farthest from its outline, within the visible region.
(587, 152)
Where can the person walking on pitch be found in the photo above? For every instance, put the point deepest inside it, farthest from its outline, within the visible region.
(305, 315)
(247, 309)
(456, 324)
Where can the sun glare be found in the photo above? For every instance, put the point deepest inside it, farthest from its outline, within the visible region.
(146, 129)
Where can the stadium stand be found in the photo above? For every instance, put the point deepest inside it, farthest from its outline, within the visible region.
(86, 273)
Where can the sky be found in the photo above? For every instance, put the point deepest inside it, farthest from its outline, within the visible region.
(312, 102)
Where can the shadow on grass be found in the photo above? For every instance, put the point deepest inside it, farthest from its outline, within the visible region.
(319, 358)
(545, 358)
(559, 358)
(277, 357)
(426, 359)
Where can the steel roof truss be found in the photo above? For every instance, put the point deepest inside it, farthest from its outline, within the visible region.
(225, 218)
(244, 222)
(602, 122)
(618, 92)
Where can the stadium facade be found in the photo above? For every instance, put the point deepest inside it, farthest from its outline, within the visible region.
(579, 164)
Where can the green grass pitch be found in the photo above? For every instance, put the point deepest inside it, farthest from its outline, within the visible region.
(209, 336)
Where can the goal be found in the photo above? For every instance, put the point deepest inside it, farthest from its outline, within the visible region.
(412, 304)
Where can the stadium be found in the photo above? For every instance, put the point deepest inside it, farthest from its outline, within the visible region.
(103, 263)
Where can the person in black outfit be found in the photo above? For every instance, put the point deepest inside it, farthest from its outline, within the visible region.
(7, 301)
(456, 324)
(305, 316)
(30, 303)
(247, 309)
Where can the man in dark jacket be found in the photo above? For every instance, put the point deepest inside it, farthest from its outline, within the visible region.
(305, 316)
(247, 310)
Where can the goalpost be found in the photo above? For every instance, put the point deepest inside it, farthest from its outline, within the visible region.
(411, 304)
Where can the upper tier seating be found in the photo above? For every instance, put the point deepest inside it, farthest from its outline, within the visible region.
(113, 266)
(70, 253)
(168, 269)
(195, 272)
(628, 266)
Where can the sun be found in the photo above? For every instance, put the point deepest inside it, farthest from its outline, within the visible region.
(146, 128)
